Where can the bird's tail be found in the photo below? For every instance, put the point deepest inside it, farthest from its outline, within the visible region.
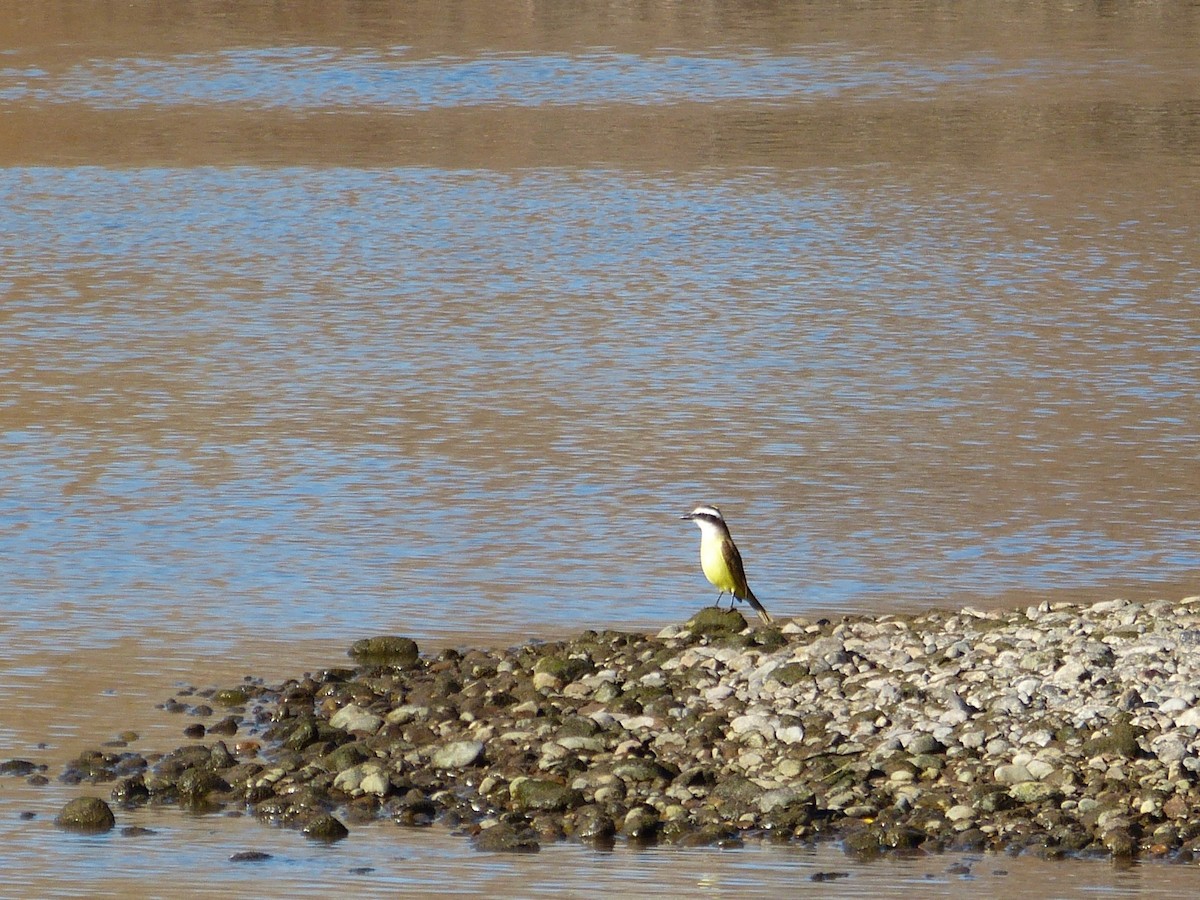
(759, 608)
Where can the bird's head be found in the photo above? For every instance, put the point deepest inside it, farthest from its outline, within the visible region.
(706, 517)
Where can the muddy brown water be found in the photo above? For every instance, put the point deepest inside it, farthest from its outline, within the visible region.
(330, 319)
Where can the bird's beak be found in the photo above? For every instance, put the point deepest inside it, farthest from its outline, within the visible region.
(688, 516)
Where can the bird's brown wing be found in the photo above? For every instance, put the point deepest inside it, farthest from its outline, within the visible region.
(733, 559)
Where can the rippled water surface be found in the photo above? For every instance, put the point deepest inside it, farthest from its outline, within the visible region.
(334, 319)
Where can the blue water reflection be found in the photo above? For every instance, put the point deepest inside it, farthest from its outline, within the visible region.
(422, 400)
(305, 78)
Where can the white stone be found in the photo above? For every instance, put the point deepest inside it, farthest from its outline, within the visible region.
(1169, 748)
(1189, 718)
(544, 681)
(1012, 774)
(790, 734)
(972, 740)
(752, 723)
(375, 783)
(1039, 769)
(718, 693)
(354, 718)
(402, 715)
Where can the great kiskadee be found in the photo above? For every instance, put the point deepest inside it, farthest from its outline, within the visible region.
(720, 560)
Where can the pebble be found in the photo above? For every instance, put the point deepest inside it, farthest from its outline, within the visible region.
(457, 755)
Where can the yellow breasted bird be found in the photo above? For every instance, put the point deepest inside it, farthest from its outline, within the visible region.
(720, 560)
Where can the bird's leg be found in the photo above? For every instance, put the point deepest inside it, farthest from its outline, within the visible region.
(718, 603)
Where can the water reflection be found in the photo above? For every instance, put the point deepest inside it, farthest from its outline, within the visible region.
(305, 78)
(447, 397)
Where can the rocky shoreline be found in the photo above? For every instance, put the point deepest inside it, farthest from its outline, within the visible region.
(1058, 730)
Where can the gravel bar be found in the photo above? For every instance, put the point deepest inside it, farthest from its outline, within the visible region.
(1059, 729)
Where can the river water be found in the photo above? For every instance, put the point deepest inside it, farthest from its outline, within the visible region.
(320, 320)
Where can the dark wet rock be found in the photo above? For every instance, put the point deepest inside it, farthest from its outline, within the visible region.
(865, 842)
(898, 836)
(594, 825)
(388, 650)
(90, 814)
(737, 793)
(242, 776)
(195, 784)
(20, 767)
(249, 856)
(130, 791)
(325, 828)
(641, 769)
(194, 731)
(136, 831)
(505, 837)
(642, 824)
(416, 810)
(682, 834)
(827, 876)
(220, 757)
(300, 734)
(226, 727)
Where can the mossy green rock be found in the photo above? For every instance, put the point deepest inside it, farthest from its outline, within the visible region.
(738, 792)
(86, 814)
(714, 622)
(344, 757)
(230, 697)
(195, 784)
(537, 794)
(1118, 739)
(565, 668)
(305, 733)
(1033, 791)
(385, 650)
(325, 828)
(790, 673)
(506, 838)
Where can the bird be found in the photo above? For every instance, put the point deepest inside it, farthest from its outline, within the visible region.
(720, 560)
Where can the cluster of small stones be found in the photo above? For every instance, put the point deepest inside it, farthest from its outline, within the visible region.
(1057, 729)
